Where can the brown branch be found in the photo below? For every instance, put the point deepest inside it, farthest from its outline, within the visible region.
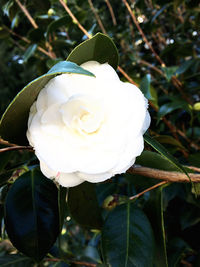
(111, 12)
(28, 42)
(169, 176)
(174, 79)
(151, 66)
(97, 16)
(35, 26)
(142, 33)
(27, 14)
(148, 189)
(127, 76)
(16, 148)
(74, 18)
(83, 263)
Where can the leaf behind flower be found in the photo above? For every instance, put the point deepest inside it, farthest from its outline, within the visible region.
(13, 124)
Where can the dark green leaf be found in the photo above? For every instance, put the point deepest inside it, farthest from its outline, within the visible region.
(127, 238)
(169, 72)
(177, 250)
(154, 160)
(29, 52)
(16, 260)
(16, 115)
(160, 11)
(83, 206)
(154, 209)
(54, 25)
(185, 66)
(169, 107)
(31, 214)
(165, 153)
(99, 48)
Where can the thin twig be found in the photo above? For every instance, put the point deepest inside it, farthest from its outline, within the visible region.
(74, 18)
(83, 263)
(16, 148)
(148, 189)
(111, 12)
(174, 79)
(169, 176)
(97, 16)
(25, 11)
(28, 42)
(151, 66)
(127, 76)
(142, 33)
(35, 26)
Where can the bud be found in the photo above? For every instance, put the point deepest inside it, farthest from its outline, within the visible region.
(197, 106)
(110, 202)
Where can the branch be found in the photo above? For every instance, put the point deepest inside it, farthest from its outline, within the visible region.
(27, 14)
(168, 176)
(111, 12)
(16, 148)
(74, 18)
(147, 190)
(97, 16)
(142, 33)
(28, 42)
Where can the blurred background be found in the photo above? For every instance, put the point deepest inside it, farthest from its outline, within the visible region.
(159, 46)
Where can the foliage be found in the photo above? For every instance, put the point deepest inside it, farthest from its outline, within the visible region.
(102, 224)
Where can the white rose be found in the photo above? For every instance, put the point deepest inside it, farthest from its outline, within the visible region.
(87, 128)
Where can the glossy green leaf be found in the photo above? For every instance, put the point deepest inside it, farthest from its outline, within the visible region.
(149, 91)
(160, 11)
(83, 205)
(154, 210)
(154, 160)
(167, 139)
(29, 52)
(184, 67)
(54, 25)
(99, 48)
(16, 115)
(172, 106)
(16, 260)
(165, 153)
(169, 72)
(127, 238)
(31, 214)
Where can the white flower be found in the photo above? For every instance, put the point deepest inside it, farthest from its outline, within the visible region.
(87, 128)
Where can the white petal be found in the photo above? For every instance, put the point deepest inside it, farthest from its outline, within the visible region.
(95, 178)
(64, 179)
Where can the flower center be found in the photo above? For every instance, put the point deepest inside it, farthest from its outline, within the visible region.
(82, 114)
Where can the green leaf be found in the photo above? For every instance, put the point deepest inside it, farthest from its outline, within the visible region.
(16, 115)
(160, 11)
(127, 238)
(167, 139)
(16, 260)
(54, 25)
(185, 66)
(169, 107)
(165, 153)
(149, 91)
(29, 52)
(154, 209)
(154, 160)
(83, 206)
(169, 72)
(99, 48)
(31, 214)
